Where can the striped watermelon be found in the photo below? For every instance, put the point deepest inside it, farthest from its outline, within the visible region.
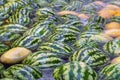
(88, 34)
(43, 13)
(6, 36)
(16, 28)
(69, 17)
(3, 48)
(112, 47)
(74, 71)
(92, 56)
(29, 42)
(1, 68)
(22, 72)
(41, 29)
(63, 37)
(110, 72)
(58, 4)
(59, 48)
(115, 19)
(10, 7)
(85, 42)
(96, 36)
(42, 3)
(43, 60)
(75, 23)
(67, 28)
(73, 6)
(97, 21)
(93, 27)
(21, 16)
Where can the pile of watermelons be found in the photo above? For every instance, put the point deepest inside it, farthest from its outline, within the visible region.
(77, 39)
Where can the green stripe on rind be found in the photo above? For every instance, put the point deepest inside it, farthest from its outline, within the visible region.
(61, 49)
(43, 60)
(20, 16)
(68, 28)
(16, 28)
(110, 72)
(112, 47)
(74, 71)
(1, 69)
(88, 34)
(8, 36)
(63, 37)
(85, 42)
(29, 42)
(94, 27)
(3, 48)
(73, 6)
(41, 29)
(45, 12)
(115, 19)
(22, 72)
(91, 56)
(10, 7)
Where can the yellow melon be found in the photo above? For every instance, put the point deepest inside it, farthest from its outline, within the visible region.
(112, 25)
(15, 55)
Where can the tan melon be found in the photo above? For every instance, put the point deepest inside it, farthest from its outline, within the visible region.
(117, 12)
(106, 13)
(84, 16)
(112, 25)
(116, 60)
(112, 32)
(15, 55)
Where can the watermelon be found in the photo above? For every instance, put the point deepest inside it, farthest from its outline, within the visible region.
(29, 42)
(85, 42)
(22, 72)
(21, 16)
(68, 28)
(41, 29)
(44, 12)
(110, 72)
(59, 48)
(96, 36)
(63, 37)
(74, 71)
(58, 4)
(73, 6)
(3, 48)
(10, 7)
(16, 28)
(7, 36)
(115, 19)
(1, 68)
(112, 47)
(91, 56)
(43, 60)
